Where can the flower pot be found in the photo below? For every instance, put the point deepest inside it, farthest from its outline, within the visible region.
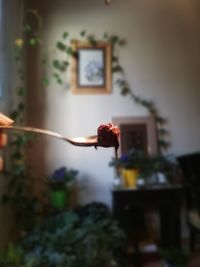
(129, 177)
(59, 198)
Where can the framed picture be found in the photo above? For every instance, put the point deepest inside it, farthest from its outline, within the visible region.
(91, 68)
(138, 133)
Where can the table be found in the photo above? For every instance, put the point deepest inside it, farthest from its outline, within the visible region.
(129, 204)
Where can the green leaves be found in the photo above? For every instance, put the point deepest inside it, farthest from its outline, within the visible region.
(33, 41)
(117, 68)
(21, 91)
(56, 64)
(77, 238)
(15, 114)
(69, 50)
(57, 78)
(61, 46)
(45, 81)
(92, 40)
(60, 65)
(21, 107)
(163, 144)
(121, 42)
(162, 132)
(27, 28)
(83, 33)
(125, 91)
(114, 39)
(65, 35)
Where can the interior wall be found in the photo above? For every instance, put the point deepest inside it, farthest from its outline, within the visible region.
(161, 61)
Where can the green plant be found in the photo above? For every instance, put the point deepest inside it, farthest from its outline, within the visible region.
(60, 67)
(145, 164)
(61, 178)
(63, 51)
(87, 236)
(18, 175)
(159, 164)
(133, 159)
(12, 257)
(176, 257)
(60, 63)
(60, 184)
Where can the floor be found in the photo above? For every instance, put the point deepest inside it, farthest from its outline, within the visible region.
(151, 258)
(194, 261)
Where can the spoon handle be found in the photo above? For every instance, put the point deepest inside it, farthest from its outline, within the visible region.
(85, 142)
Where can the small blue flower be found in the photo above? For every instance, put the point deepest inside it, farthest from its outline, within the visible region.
(62, 177)
(60, 174)
(124, 158)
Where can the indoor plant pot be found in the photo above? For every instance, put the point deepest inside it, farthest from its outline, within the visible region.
(59, 198)
(129, 177)
(60, 183)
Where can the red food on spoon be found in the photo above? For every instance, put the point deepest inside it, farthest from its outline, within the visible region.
(107, 135)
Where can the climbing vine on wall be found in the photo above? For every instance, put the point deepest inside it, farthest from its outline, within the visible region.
(57, 63)
(61, 66)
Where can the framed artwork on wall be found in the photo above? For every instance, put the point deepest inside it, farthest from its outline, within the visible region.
(91, 68)
(137, 132)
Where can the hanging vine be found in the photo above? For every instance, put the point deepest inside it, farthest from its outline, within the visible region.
(18, 175)
(60, 67)
(126, 90)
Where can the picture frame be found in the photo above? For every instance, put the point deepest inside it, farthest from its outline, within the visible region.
(137, 132)
(91, 68)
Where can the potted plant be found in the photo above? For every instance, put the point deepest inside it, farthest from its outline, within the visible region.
(156, 169)
(128, 166)
(136, 164)
(85, 236)
(60, 182)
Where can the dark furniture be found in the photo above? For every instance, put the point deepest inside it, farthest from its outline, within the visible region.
(129, 206)
(190, 165)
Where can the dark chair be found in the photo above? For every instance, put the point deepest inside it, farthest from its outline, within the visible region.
(190, 165)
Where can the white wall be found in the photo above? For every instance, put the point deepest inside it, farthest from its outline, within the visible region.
(161, 61)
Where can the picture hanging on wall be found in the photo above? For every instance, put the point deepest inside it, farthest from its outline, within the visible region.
(91, 68)
(138, 133)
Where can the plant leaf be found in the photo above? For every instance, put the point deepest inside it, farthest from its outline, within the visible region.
(83, 33)
(61, 46)
(117, 68)
(45, 81)
(65, 35)
(33, 41)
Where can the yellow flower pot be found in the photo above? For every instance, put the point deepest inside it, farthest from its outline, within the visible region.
(129, 177)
